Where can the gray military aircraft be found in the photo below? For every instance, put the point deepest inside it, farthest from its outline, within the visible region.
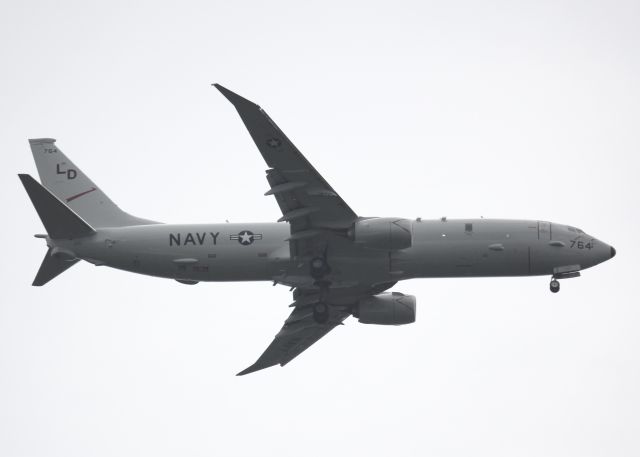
(337, 263)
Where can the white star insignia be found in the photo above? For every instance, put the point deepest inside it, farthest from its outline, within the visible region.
(246, 238)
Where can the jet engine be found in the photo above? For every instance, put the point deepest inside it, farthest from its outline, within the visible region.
(387, 309)
(386, 233)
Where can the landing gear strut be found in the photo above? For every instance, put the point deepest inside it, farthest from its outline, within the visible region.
(320, 313)
(319, 270)
(563, 273)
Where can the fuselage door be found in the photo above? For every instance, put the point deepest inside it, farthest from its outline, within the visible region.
(544, 230)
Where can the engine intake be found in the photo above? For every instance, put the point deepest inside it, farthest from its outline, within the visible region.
(387, 309)
(386, 233)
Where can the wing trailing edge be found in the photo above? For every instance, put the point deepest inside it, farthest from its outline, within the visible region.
(299, 332)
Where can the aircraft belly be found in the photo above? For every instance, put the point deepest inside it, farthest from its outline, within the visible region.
(462, 259)
(370, 268)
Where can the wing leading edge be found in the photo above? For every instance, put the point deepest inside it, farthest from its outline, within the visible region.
(306, 200)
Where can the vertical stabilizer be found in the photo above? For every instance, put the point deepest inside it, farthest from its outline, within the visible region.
(68, 183)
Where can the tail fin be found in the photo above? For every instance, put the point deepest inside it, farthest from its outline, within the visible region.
(69, 184)
(51, 267)
(57, 218)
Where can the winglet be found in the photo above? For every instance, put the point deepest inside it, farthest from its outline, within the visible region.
(234, 98)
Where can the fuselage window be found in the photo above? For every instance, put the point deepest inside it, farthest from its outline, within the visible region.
(468, 228)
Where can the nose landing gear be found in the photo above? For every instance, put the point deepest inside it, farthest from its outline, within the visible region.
(572, 271)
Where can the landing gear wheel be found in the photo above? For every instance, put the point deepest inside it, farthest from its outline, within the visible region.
(319, 267)
(554, 286)
(320, 313)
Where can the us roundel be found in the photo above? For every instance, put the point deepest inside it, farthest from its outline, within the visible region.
(274, 142)
(246, 237)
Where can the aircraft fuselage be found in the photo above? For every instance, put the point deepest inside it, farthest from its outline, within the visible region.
(260, 251)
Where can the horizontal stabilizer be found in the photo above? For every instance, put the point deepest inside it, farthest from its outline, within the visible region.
(58, 219)
(51, 267)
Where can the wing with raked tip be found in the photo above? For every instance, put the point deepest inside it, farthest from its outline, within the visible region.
(306, 200)
(298, 333)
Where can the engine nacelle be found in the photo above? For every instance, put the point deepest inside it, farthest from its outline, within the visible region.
(387, 233)
(387, 309)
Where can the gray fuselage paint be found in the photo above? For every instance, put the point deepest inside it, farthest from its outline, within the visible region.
(259, 251)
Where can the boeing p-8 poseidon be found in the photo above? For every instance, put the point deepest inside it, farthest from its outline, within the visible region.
(336, 263)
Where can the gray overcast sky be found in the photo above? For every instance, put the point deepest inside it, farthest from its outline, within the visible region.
(499, 109)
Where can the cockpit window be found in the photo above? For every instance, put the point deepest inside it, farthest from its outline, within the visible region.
(573, 229)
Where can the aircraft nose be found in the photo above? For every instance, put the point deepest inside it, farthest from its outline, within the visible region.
(613, 252)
